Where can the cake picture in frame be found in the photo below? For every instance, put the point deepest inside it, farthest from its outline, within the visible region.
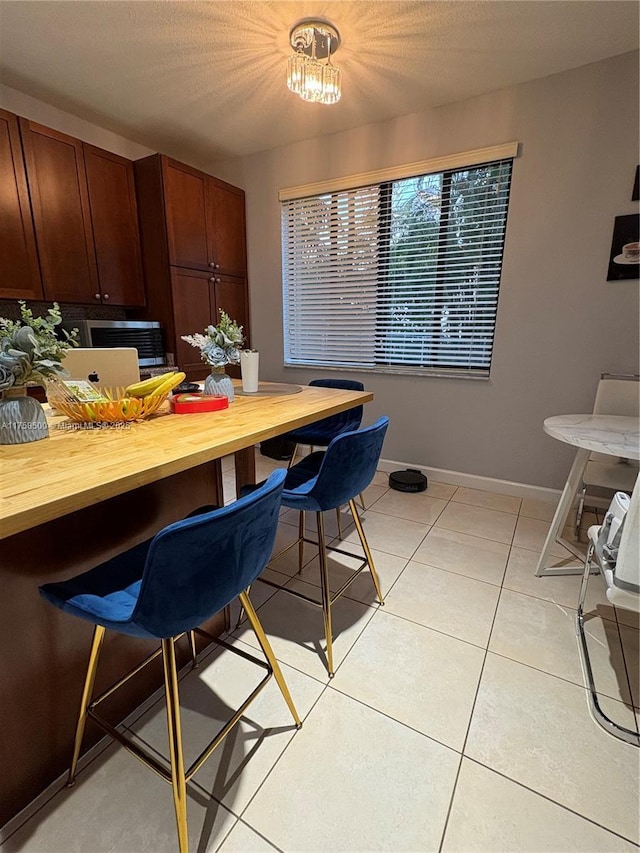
(624, 260)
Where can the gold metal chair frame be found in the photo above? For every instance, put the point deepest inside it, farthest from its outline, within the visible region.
(175, 774)
(327, 599)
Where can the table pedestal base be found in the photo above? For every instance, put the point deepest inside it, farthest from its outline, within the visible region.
(574, 481)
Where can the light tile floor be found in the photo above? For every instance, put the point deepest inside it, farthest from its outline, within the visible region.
(457, 719)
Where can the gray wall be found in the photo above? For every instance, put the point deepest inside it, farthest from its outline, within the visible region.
(560, 323)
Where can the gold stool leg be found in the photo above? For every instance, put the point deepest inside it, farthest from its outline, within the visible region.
(178, 783)
(300, 540)
(365, 545)
(252, 616)
(87, 690)
(362, 501)
(293, 456)
(339, 520)
(194, 651)
(326, 593)
(241, 614)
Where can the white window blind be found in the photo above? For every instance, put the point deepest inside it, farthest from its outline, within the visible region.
(400, 275)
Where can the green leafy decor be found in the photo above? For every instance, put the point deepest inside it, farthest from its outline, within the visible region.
(30, 351)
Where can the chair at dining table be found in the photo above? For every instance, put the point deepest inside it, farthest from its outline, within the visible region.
(322, 432)
(163, 589)
(617, 394)
(323, 481)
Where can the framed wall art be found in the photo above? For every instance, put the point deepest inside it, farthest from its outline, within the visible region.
(624, 261)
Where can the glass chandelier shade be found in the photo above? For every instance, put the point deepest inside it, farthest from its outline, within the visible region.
(308, 75)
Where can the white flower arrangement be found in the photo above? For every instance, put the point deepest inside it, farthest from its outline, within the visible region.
(220, 345)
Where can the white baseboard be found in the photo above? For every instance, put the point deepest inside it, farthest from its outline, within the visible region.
(490, 484)
(475, 481)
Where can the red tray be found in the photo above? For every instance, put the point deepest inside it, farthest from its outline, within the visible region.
(186, 404)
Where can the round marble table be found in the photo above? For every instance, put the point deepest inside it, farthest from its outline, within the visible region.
(612, 434)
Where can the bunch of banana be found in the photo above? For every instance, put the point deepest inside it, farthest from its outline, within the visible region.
(157, 386)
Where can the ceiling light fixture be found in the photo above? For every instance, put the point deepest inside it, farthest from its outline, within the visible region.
(307, 74)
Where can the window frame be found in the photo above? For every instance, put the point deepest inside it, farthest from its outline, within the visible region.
(384, 180)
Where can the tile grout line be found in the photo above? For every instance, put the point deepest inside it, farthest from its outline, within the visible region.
(549, 800)
(473, 706)
(244, 823)
(275, 764)
(626, 672)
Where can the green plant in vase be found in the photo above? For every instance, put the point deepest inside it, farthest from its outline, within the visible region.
(30, 354)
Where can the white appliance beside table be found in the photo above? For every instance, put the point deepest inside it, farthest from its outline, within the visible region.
(611, 434)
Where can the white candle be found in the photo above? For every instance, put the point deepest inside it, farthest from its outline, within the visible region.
(249, 359)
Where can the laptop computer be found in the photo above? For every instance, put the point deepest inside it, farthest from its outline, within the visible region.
(107, 367)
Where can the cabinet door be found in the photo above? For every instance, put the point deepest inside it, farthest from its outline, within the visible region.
(227, 220)
(193, 311)
(185, 198)
(230, 295)
(58, 188)
(19, 268)
(114, 217)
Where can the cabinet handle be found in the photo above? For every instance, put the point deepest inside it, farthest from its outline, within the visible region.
(212, 264)
(105, 295)
(97, 295)
(212, 278)
(218, 278)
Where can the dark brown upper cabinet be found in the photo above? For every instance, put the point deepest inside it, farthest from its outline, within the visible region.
(205, 220)
(83, 203)
(19, 267)
(114, 217)
(186, 204)
(61, 215)
(228, 226)
(194, 253)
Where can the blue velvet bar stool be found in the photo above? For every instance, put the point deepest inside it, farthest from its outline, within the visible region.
(322, 481)
(167, 587)
(320, 433)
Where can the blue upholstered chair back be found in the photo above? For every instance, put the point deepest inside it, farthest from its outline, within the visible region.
(195, 567)
(348, 466)
(321, 432)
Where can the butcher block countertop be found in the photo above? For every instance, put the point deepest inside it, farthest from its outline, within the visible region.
(77, 467)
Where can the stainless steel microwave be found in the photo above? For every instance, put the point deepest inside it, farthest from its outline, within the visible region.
(145, 335)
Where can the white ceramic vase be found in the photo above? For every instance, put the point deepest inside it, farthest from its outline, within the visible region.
(219, 384)
(22, 418)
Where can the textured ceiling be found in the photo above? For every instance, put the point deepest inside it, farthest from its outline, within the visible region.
(206, 80)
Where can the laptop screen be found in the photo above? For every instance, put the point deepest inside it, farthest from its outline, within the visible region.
(109, 367)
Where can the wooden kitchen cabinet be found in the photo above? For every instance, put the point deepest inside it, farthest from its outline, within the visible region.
(205, 220)
(114, 218)
(194, 253)
(60, 205)
(19, 267)
(230, 295)
(228, 222)
(193, 299)
(185, 194)
(197, 298)
(83, 204)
